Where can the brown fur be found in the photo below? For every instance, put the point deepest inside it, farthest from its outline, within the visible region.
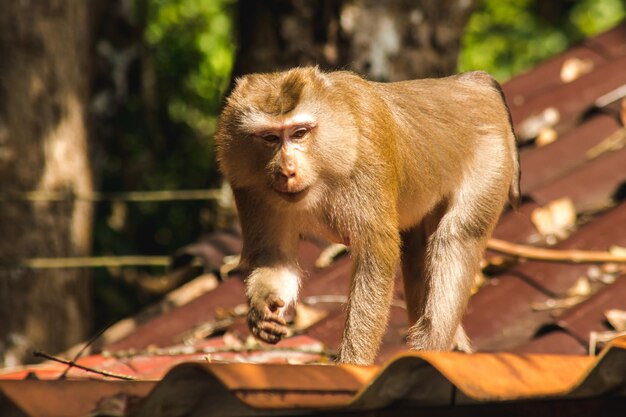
(416, 171)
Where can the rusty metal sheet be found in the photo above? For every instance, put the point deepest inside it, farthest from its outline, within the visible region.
(334, 280)
(500, 317)
(239, 389)
(303, 380)
(592, 186)
(71, 398)
(611, 44)
(556, 342)
(309, 250)
(601, 234)
(482, 377)
(211, 249)
(547, 76)
(425, 379)
(588, 316)
(515, 225)
(330, 329)
(153, 364)
(416, 379)
(542, 165)
(568, 102)
(167, 329)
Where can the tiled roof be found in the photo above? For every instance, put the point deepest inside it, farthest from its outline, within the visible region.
(529, 309)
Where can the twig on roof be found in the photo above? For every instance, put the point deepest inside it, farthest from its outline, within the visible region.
(598, 338)
(553, 255)
(84, 348)
(614, 142)
(45, 355)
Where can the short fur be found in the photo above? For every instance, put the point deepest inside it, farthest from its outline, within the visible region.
(416, 171)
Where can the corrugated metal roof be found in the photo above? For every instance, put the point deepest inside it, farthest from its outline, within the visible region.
(527, 308)
(435, 383)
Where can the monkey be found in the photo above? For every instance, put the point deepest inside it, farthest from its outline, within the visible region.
(410, 172)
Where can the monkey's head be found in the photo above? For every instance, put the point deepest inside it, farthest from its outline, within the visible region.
(289, 135)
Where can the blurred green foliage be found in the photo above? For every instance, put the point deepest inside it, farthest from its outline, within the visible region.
(161, 139)
(506, 37)
(192, 45)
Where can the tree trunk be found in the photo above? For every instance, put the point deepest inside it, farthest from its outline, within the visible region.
(43, 147)
(382, 40)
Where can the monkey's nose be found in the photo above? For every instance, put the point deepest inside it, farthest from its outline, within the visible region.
(288, 170)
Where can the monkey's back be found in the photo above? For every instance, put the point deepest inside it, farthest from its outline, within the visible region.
(448, 129)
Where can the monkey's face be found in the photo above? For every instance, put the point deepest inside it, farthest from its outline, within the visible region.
(288, 170)
(285, 135)
(273, 156)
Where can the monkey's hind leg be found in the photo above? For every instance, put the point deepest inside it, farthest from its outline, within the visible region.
(440, 259)
(416, 284)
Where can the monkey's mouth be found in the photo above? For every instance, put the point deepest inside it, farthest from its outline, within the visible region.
(293, 196)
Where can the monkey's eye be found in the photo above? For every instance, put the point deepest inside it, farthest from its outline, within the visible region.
(299, 133)
(270, 138)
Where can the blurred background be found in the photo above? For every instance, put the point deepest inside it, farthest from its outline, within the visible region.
(101, 98)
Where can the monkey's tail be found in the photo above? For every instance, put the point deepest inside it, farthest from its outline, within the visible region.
(515, 195)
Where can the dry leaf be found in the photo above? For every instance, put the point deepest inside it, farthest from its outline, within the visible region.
(596, 273)
(574, 68)
(555, 220)
(617, 250)
(617, 319)
(306, 316)
(329, 254)
(232, 341)
(557, 304)
(479, 281)
(581, 288)
(530, 127)
(230, 264)
(546, 136)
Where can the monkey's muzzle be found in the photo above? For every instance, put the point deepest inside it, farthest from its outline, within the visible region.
(293, 196)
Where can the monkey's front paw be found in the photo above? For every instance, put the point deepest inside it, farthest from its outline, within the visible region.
(266, 322)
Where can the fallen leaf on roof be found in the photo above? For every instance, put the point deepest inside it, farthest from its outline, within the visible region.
(230, 264)
(306, 316)
(329, 254)
(556, 220)
(546, 136)
(617, 251)
(582, 288)
(557, 303)
(575, 68)
(617, 319)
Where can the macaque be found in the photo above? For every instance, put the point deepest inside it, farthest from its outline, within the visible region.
(413, 171)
